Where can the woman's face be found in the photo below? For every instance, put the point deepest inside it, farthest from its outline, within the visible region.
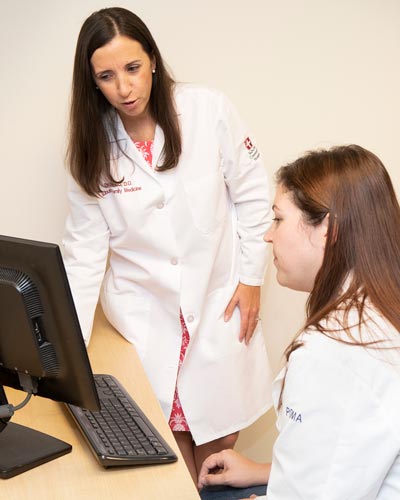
(122, 71)
(298, 248)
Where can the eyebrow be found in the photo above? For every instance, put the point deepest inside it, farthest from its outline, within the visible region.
(135, 61)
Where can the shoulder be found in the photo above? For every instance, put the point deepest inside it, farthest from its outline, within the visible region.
(372, 328)
(193, 90)
(338, 361)
(330, 370)
(199, 96)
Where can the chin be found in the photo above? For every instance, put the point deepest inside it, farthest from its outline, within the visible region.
(282, 281)
(287, 283)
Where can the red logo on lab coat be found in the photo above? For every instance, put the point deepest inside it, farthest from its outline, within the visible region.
(248, 143)
(252, 150)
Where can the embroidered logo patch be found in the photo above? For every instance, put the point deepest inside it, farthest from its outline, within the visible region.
(252, 150)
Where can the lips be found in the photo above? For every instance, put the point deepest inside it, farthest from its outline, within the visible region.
(129, 103)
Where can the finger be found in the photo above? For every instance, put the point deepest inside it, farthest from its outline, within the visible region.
(251, 328)
(213, 480)
(212, 463)
(230, 308)
(244, 325)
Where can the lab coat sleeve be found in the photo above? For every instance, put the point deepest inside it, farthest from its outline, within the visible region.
(247, 183)
(333, 442)
(85, 252)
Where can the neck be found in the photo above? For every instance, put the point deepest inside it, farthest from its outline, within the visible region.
(140, 128)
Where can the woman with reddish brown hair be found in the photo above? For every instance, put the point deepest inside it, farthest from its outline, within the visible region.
(335, 235)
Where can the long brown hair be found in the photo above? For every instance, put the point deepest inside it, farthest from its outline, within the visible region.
(92, 117)
(362, 252)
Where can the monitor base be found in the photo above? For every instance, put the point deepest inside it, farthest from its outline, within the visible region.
(22, 448)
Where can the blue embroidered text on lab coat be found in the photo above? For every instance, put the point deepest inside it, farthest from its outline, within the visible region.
(293, 415)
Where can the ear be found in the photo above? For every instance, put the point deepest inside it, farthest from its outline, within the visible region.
(323, 230)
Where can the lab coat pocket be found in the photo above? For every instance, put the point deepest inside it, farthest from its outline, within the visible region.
(219, 339)
(207, 199)
(130, 315)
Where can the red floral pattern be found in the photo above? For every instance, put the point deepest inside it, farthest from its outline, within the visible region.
(146, 148)
(177, 420)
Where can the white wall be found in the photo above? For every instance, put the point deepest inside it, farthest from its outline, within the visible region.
(303, 73)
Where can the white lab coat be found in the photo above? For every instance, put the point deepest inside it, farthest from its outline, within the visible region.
(182, 238)
(339, 430)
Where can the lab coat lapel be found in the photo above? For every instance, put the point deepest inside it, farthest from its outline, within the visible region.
(128, 147)
(159, 141)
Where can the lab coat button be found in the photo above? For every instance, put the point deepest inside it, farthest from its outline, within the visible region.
(174, 261)
(160, 205)
(190, 318)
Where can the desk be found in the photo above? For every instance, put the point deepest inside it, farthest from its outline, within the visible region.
(77, 475)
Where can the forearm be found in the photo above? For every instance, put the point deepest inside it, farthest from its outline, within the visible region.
(252, 224)
(85, 250)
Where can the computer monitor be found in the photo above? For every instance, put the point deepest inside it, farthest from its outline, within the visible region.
(42, 350)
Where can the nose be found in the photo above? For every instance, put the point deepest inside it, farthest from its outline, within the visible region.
(124, 85)
(268, 235)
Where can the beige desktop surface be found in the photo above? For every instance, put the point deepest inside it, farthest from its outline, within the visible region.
(78, 475)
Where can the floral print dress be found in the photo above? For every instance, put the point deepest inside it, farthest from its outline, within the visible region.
(177, 419)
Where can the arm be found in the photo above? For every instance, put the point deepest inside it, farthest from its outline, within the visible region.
(247, 183)
(85, 252)
(228, 468)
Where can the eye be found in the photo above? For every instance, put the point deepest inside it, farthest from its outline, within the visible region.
(276, 219)
(104, 77)
(133, 68)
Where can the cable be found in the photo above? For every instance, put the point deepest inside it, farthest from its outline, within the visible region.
(8, 410)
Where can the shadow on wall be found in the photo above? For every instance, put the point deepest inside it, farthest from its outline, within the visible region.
(256, 441)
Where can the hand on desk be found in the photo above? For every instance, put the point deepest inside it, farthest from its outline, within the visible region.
(229, 468)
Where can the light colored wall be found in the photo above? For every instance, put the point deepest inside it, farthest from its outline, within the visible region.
(303, 73)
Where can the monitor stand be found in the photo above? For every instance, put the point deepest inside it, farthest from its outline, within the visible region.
(22, 448)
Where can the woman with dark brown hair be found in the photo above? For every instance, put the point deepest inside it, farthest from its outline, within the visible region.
(168, 188)
(335, 235)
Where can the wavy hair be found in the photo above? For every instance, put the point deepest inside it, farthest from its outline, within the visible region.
(92, 117)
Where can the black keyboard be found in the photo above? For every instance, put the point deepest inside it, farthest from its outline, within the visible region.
(120, 433)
